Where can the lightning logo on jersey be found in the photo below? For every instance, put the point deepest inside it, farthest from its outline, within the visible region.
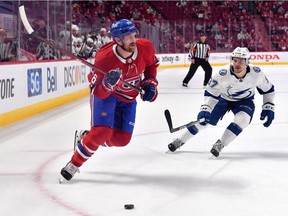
(237, 94)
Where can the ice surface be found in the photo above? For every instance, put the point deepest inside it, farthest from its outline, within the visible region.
(249, 178)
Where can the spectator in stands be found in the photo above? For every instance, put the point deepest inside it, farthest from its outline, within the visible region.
(281, 10)
(75, 32)
(215, 27)
(199, 27)
(78, 47)
(240, 35)
(90, 49)
(181, 3)
(282, 45)
(104, 36)
(286, 15)
(40, 27)
(65, 35)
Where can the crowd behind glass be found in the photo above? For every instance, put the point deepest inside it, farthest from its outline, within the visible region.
(82, 27)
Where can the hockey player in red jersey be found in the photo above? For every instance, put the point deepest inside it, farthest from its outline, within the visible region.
(113, 104)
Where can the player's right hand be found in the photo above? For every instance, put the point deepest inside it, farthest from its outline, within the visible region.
(111, 80)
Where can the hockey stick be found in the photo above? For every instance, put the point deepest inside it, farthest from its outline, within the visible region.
(170, 125)
(31, 32)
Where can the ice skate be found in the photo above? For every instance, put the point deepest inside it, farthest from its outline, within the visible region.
(79, 135)
(69, 171)
(175, 145)
(217, 148)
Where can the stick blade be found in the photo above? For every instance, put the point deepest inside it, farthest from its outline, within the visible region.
(24, 20)
(168, 119)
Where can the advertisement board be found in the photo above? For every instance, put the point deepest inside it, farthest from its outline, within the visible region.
(24, 85)
(218, 59)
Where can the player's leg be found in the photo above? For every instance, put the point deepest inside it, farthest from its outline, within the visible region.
(124, 121)
(219, 110)
(243, 113)
(102, 113)
(189, 132)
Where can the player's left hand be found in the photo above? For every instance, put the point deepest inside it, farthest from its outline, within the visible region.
(204, 115)
(267, 114)
(150, 87)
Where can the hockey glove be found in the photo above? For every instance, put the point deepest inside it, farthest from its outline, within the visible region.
(111, 80)
(150, 88)
(204, 115)
(267, 114)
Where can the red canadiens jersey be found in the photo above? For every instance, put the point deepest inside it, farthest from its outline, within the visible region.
(142, 62)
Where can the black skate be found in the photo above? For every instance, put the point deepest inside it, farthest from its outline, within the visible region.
(69, 171)
(217, 148)
(175, 145)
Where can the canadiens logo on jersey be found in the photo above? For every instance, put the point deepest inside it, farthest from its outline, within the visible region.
(132, 80)
(237, 94)
(132, 76)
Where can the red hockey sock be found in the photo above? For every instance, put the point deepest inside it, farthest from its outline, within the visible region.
(90, 143)
(119, 138)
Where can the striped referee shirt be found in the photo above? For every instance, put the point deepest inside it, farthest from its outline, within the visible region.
(4, 51)
(199, 50)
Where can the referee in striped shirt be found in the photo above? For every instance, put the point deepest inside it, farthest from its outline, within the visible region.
(199, 55)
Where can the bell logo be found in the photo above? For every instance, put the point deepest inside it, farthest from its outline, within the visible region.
(51, 79)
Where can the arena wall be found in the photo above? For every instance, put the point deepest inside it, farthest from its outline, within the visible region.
(220, 59)
(31, 88)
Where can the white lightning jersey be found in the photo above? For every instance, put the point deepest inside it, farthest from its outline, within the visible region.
(231, 88)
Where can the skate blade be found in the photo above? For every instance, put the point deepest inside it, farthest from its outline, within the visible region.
(75, 141)
(62, 180)
(212, 157)
(169, 152)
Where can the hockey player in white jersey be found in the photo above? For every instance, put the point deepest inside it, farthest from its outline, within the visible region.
(232, 89)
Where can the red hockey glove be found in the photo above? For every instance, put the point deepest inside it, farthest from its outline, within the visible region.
(150, 87)
(112, 79)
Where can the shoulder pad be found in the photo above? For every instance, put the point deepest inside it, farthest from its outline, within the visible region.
(256, 69)
(223, 72)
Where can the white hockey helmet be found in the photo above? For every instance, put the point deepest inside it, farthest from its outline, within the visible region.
(241, 52)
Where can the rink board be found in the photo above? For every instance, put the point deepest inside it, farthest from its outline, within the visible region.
(31, 88)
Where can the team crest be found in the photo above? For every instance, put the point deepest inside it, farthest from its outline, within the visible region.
(133, 81)
(256, 69)
(223, 72)
(239, 94)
